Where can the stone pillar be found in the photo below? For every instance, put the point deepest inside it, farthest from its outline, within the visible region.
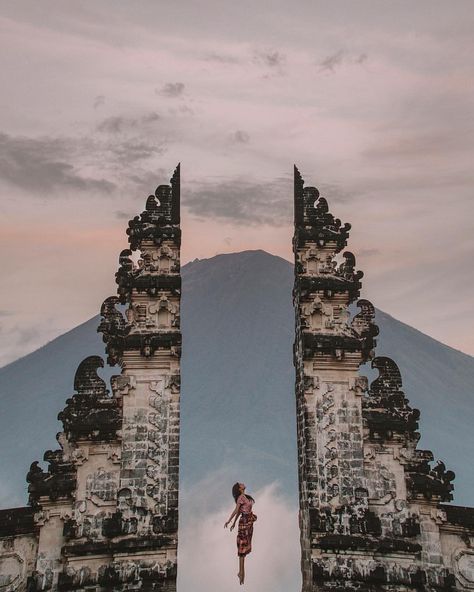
(149, 351)
(328, 351)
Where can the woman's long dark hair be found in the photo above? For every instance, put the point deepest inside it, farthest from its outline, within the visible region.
(236, 493)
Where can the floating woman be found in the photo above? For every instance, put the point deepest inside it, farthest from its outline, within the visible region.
(243, 508)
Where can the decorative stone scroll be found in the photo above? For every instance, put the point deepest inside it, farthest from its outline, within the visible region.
(91, 414)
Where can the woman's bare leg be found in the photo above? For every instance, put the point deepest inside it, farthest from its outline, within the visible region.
(241, 573)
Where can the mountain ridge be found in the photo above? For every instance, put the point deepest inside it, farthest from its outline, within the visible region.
(238, 404)
(188, 264)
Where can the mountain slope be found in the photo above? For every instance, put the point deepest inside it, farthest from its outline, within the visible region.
(237, 382)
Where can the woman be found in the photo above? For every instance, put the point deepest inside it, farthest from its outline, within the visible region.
(243, 508)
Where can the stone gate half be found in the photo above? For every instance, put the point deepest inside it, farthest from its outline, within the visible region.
(373, 511)
(104, 515)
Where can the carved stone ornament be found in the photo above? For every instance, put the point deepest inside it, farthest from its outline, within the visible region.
(12, 567)
(161, 217)
(91, 413)
(464, 567)
(313, 221)
(386, 409)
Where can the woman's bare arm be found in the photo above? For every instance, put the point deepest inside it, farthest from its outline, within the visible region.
(235, 513)
(235, 519)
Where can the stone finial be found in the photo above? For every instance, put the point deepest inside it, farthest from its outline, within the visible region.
(59, 481)
(112, 323)
(364, 325)
(161, 217)
(86, 379)
(113, 328)
(313, 221)
(428, 481)
(124, 276)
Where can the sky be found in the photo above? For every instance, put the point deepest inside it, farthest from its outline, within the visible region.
(372, 100)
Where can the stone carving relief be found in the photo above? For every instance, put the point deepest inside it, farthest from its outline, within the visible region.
(317, 314)
(337, 445)
(162, 260)
(381, 482)
(122, 384)
(313, 262)
(101, 486)
(464, 567)
(345, 520)
(44, 575)
(158, 445)
(12, 568)
(343, 568)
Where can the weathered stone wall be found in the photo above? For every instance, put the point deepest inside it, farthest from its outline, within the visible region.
(18, 548)
(456, 526)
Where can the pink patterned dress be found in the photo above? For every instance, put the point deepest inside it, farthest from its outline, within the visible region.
(245, 531)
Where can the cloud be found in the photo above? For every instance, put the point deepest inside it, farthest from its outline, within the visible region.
(117, 123)
(361, 58)
(330, 63)
(150, 117)
(185, 110)
(333, 61)
(242, 202)
(222, 58)
(369, 252)
(401, 145)
(112, 125)
(172, 89)
(252, 203)
(99, 101)
(38, 164)
(134, 150)
(87, 163)
(271, 59)
(28, 335)
(274, 563)
(240, 137)
(145, 180)
(334, 193)
(23, 337)
(121, 215)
